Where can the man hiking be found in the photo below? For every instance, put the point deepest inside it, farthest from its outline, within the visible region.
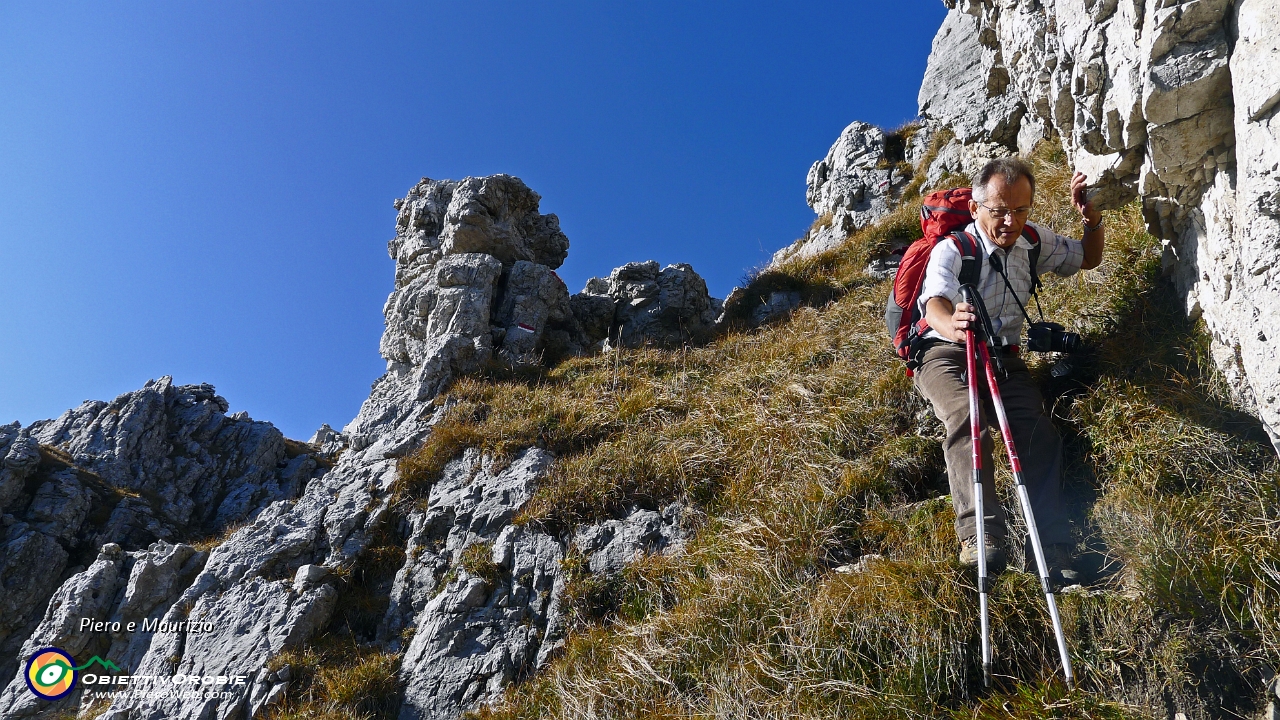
(1002, 198)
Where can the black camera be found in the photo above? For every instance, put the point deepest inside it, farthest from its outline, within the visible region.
(1052, 337)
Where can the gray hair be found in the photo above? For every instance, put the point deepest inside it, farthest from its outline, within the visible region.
(1010, 168)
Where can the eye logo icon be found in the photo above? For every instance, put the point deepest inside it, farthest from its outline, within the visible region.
(51, 673)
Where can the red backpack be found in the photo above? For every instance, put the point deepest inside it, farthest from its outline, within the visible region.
(943, 215)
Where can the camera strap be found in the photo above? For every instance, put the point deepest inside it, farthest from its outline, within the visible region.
(998, 266)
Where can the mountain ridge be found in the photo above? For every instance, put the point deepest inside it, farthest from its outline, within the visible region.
(732, 504)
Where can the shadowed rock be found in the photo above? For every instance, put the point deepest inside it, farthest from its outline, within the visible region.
(667, 308)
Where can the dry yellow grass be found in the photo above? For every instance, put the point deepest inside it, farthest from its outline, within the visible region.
(800, 442)
(334, 679)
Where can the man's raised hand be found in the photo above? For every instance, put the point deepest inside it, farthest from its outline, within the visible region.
(1079, 185)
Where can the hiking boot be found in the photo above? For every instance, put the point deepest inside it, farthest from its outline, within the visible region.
(1061, 561)
(995, 554)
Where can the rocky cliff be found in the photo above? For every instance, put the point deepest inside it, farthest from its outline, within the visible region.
(1172, 103)
(152, 467)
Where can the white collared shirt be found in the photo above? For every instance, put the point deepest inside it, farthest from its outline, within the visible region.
(1058, 254)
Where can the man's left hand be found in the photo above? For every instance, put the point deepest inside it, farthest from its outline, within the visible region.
(1090, 214)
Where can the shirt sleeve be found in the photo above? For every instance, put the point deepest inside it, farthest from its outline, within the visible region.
(941, 275)
(1059, 254)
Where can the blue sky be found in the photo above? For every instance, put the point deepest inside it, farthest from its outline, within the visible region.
(204, 190)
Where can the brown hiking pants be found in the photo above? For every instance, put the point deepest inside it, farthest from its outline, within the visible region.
(940, 378)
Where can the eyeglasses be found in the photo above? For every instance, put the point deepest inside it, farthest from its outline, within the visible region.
(1004, 212)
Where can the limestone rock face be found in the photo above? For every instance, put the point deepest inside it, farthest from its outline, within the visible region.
(248, 591)
(498, 215)
(613, 544)
(483, 596)
(966, 87)
(852, 179)
(534, 304)
(329, 441)
(157, 464)
(443, 316)
(475, 278)
(87, 594)
(856, 184)
(420, 312)
(31, 565)
(479, 624)
(1169, 101)
(176, 445)
(963, 161)
(118, 587)
(667, 307)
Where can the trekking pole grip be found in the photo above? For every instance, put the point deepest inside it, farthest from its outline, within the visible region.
(985, 331)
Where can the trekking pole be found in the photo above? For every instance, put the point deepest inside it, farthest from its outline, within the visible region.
(1032, 532)
(1015, 464)
(975, 433)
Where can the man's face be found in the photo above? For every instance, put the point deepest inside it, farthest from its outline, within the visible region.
(1003, 197)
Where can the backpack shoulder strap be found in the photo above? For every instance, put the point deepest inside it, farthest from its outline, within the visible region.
(970, 269)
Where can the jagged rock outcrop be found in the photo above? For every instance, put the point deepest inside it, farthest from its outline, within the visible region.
(477, 622)
(1169, 101)
(966, 87)
(162, 463)
(475, 276)
(534, 312)
(259, 591)
(456, 248)
(330, 442)
(856, 184)
(667, 307)
(497, 614)
(119, 587)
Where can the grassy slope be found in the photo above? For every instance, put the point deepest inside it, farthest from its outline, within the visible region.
(804, 446)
